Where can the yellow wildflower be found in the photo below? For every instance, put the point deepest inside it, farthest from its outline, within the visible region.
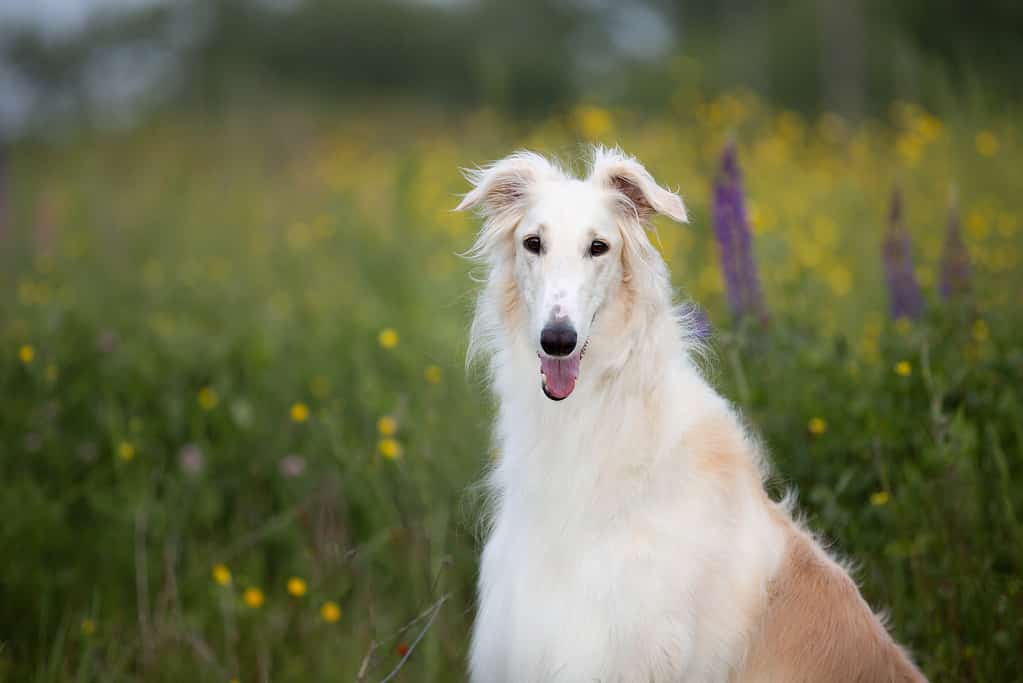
(88, 626)
(929, 127)
(909, 148)
(980, 331)
(330, 611)
(755, 216)
(388, 338)
(987, 143)
(208, 398)
(879, 498)
(299, 412)
(389, 448)
(840, 280)
(592, 122)
(903, 368)
(296, 587)
(221, 574)
(432, 374)
(253, 597)
(977, 226)
(26, 353)
(126, 451)
(817, 426)
(387, 425)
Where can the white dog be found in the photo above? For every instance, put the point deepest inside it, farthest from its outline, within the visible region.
(631, 538)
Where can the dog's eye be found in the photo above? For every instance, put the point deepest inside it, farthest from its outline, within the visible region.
(532, 244)
(598, 247)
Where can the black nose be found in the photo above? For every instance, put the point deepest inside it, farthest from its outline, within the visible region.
(558, 339)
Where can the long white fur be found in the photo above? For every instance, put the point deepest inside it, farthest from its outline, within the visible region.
(610, 555)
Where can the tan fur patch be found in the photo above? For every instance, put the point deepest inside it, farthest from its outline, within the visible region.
(816, 627)
(510, 298)
(723, 451)
(628, 282)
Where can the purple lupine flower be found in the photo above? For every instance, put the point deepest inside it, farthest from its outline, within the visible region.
(905, 299)
(955, 258)
(734, 238)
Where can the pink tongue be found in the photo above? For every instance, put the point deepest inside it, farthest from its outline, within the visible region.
(560, 373)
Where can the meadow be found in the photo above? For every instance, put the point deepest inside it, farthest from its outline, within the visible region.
(239, 443)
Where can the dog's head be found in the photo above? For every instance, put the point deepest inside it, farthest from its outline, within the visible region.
(567, 242)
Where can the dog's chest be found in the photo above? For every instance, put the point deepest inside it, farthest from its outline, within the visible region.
(562, 599)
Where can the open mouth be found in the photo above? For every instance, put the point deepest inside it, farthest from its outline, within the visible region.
(558, 375)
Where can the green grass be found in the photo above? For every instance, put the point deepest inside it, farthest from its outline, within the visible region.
(259, 258)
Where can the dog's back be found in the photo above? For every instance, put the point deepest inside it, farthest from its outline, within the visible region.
(815, 626)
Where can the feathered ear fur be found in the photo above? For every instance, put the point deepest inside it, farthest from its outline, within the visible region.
(500, 194)
(504, 185)
(641, 196)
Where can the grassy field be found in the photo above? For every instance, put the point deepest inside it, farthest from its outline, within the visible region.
(238, 442)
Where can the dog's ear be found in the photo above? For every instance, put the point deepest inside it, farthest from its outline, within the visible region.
(504, 185)
(643, 197)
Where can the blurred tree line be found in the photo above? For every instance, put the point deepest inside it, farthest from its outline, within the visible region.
(527, 57)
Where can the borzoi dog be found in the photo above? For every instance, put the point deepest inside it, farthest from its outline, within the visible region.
(631, 537)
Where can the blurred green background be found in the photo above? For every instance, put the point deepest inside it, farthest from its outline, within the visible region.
(238, 441)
